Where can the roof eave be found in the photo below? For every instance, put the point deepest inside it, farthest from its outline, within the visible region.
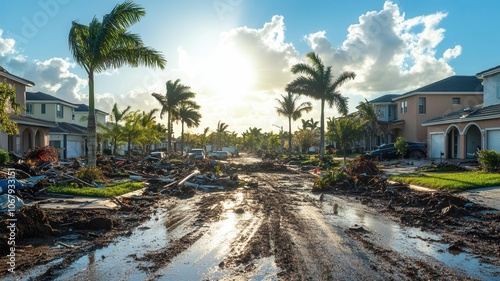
(462, 120)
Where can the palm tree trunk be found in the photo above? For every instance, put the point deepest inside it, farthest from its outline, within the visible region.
(169, 125)
(289, 136)
(322, 133)
(182, 138)
(91, 124)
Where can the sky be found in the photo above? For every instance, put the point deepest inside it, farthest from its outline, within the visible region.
(236, 55)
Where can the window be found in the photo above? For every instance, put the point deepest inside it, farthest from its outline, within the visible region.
(381, 112)
(404, 106)
(43, 108)
(421, 105)
(59, 111)
(455, 101)
(29, 108)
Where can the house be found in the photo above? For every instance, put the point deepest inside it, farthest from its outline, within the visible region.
(387, 113)
(33, 132)
(434, 100)
(82, 112)
(70, 134)
(460, 133)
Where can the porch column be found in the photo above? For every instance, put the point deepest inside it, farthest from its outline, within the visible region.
(462, 146)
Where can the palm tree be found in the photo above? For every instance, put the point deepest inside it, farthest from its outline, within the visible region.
(150, 135)
(189, 115)
(221, 128)
(370, 118)
(317, 82)
(204, 137)
(345, 131)
(117, 115)
(132, 130)
(107, 44)
(176, 94)
(289, 107)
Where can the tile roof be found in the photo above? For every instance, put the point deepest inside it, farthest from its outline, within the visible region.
(452, 84)
(469, 114)
(68, 128)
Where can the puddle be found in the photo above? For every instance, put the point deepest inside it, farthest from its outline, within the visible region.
(405, 240)
(102, 263)
(201, 261)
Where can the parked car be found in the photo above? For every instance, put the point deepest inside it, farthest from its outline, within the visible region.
(220, 155)
(196, 153)
(416, 150)
(158, 154)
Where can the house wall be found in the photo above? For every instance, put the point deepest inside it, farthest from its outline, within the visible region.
(100, 118)
(50, 112)
(386, 112)
(463, 128)
(436, 105)
(491, 86)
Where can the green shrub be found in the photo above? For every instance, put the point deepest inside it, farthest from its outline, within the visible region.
(489, 160)
(401, 146)
(4, 157)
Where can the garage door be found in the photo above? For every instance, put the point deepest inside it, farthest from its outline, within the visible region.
(74, 149)
(494, 140)
(437, 145)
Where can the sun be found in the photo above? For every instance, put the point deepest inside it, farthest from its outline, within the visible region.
(230, 72)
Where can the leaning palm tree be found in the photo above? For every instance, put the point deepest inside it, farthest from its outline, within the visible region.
(289, 107)
(118, 115)
(176, 94)
(189, 115)
(221, 129)
(107, 44)
(317, 82)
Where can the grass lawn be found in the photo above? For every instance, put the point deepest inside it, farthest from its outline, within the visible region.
(450, 181)
(108, 191)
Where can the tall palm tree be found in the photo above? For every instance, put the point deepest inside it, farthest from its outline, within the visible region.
(289, 107)
(317, 82)
(221, 128)
(107, 44)
(189, 115)
(176, 94)
(370, 118)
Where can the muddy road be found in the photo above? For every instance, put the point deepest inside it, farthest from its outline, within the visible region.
(274, 228)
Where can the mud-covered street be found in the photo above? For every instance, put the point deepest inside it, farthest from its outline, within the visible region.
(275, 228)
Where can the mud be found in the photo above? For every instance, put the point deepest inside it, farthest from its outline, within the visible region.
(274, 228)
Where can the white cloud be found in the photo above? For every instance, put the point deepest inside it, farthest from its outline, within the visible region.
(6, 45)
(388, 52)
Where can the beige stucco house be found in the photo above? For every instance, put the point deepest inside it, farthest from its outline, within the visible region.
(33, 132)
(70, 132)
(431, 101)
(460, 133)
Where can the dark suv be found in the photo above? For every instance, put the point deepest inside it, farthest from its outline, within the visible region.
(416, 150)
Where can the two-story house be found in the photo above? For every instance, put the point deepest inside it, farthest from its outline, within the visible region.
(82, 112)
(460, 133)
(435, 100)
(70, 134)
(387, 114)
(32, 132)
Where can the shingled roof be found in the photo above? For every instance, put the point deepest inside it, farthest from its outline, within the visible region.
(452, 84)
(385, 98)
(39, 96)
(85, 108)
(6, 74)
(68, 128)
(474, 113)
